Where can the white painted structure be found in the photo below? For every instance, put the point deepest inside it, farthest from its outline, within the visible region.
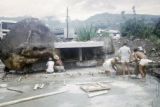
(5, 26)
(79, 45)
(75, 44)
(115, 34)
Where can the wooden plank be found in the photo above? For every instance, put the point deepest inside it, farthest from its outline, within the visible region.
(11, 89)
(108, 87)
(95, 87)
(83, 83)
(31, 98)
(93, 94)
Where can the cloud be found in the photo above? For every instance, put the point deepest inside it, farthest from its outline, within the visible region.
(78, 9)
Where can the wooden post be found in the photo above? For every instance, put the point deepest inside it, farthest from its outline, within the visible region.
(80, 54)
(95, 53)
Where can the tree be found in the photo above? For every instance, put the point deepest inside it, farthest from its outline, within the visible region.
(157, 29)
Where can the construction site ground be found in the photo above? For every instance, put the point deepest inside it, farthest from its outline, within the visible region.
(125, 92)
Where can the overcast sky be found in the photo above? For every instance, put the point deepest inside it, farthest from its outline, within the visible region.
(78, 9)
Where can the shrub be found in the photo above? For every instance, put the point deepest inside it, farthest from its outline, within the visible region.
(86, 33)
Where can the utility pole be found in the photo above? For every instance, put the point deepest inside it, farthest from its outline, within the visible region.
(135, 19)
(67, 23)
(134, 12)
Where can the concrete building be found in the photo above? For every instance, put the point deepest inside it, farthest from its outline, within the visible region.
(5, 26)
(72, 52)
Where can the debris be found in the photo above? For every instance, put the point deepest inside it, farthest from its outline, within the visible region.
(95, 87)
(104, 85)
(11, 89)
(93, 94)
(31, 98)
(83, 83)
(41, 86)
(38, 86)
(3, 85)
(20, 78)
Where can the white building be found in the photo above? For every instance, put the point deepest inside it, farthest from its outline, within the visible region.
(115, 34)
(5, 26)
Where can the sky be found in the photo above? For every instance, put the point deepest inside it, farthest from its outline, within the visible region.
(78, 9)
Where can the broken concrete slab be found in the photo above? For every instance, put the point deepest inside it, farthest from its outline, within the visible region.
(95, 87)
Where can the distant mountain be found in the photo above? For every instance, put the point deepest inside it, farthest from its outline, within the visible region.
(104, 20)
(113, 21)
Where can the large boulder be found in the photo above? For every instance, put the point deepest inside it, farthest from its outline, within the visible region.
(28, 42)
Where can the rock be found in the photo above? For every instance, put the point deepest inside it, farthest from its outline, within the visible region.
(28, 42)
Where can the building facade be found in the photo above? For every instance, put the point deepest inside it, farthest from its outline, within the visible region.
(5, 27)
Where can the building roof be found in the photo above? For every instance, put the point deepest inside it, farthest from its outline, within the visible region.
(8, 21)
(75, 44)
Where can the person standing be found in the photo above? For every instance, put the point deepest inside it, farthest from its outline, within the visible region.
(50, 66)
(125, 55)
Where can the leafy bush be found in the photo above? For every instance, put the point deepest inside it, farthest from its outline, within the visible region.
(140, 29)
(86, 33)
(136, 28)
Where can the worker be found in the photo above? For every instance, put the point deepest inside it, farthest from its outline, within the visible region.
(50, 66)
(124, 54)
(110, 66)
(58, 64)
(143, 61)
